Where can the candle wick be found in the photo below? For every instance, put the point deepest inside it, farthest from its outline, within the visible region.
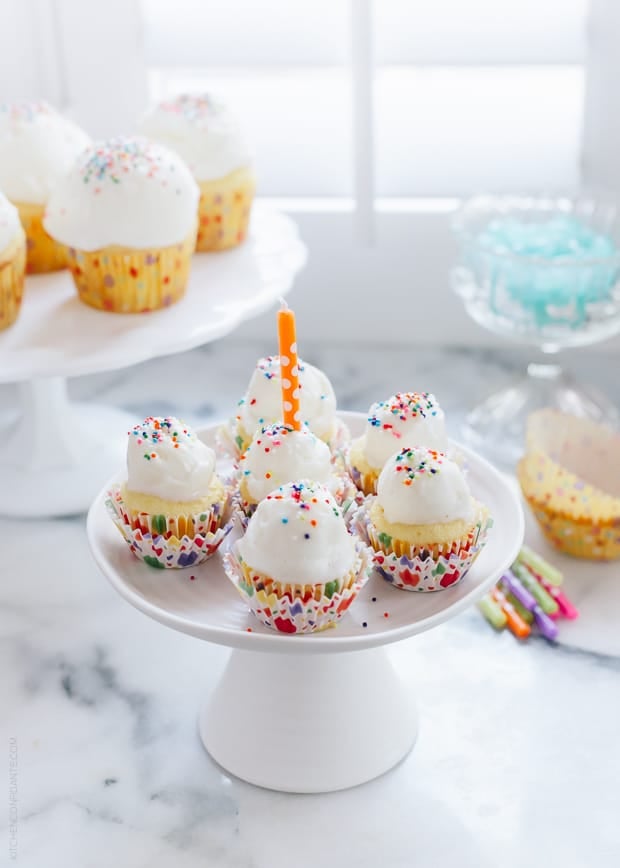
(283, 304)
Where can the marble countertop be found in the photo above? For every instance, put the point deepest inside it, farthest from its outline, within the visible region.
(517, 760)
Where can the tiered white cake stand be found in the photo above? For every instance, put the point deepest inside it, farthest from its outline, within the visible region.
(58, 454)
(318, 712)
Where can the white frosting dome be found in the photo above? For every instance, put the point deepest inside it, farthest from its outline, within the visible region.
(37, 147)
(422, 486)
(202, 130)
(278, 455)
(298, 535)
(166, 459)
(125, 191)
(262, 404)
(9, 222)
(412, 418)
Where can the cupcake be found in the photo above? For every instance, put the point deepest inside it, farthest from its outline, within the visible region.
(206, 135)
(127, 212)
(172, 507)
(37, 147)
(262, 403)
(297, 566)
(12, 263)
(407, 417)
(570, 477)
(424, 525)
(278, 455)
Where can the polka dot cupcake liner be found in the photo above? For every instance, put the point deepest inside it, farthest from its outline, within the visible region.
(123, 280)
(12, 267)
(224, 210)
(412, 568)
(43, 253)
(171, 542)
(290, 608)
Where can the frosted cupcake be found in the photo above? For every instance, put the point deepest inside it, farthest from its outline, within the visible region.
(262, 403)
(414, 418)
(207, 136)
(12, 263)
(172, 506)
(278, 455)
(424, 525)
(127, 212)
(297, 566)
(37, 147)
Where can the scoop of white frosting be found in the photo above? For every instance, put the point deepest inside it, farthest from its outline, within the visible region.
(9, 222)
(202, 131)
(422, 486)
(37, 147)
(411, 418)
(298, 535)
(262, 404)
(166, 459)
(125, 191)
(278, 455)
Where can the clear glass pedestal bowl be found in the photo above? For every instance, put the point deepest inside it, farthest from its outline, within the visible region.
(545, 272)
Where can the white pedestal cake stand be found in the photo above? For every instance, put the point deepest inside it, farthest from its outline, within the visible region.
(318, 712)
(58, 454)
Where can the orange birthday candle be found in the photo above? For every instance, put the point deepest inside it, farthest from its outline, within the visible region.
(289, 367)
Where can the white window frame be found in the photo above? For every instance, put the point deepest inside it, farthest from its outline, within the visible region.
(368, 256)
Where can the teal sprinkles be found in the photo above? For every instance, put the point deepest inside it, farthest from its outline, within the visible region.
(306, 495)
(404, 406)
(414, 463)
(155, 430)
(112, 159)
(193, 107)
(25, 111)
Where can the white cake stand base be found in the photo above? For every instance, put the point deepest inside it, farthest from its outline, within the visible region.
(309, 724)
(57, 453)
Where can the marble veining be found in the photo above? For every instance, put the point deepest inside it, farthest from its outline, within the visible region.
(517, 761)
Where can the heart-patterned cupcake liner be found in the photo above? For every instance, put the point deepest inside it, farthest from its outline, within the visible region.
(422, 569)
(290, 608)
(159, 540)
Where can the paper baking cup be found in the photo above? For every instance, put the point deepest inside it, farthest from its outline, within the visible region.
(123, 280)
(43, 253)
(12, 268)
(416, 568)
(224, 210)
(290, 608)
(366, 482)
(170, 542)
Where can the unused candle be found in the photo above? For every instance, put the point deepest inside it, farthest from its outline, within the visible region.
(289, 367)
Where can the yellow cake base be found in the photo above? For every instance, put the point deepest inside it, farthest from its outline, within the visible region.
(364, 476)
(12, 268)
(150, 504)
(402, 538)
(224, 210)
(125, 280)
(43, 253)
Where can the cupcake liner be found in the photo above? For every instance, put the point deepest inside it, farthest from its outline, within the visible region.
(570, 477)
(224, 210)
(290, 608)
(365, 482)
(12, 267)
(123, 280)
(170, 542)
(422, 569)
(43, 253)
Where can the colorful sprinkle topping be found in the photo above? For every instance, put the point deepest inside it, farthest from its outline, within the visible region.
(193, 107)
(26, 112)
(156, 429)
(113, 159)
(403, 406)
(414, 463)
(306, 496)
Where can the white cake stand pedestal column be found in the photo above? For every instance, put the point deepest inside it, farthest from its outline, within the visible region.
(57, 451)
(57, 454)
(309, 723)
